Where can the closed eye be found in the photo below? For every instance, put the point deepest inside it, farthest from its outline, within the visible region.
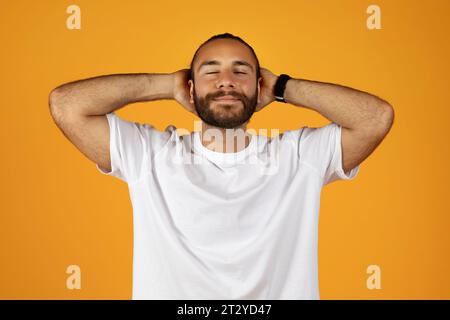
(235, 72)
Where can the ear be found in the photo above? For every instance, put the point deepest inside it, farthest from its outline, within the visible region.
(191, 97)
(259, 89)
(191, 91)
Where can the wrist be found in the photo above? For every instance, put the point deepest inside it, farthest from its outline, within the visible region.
(159, 86)
(289, 92)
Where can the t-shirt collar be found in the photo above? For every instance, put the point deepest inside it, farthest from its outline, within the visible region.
(224, 157)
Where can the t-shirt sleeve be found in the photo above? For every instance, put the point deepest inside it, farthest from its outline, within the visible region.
(132, 147)
(321, 148)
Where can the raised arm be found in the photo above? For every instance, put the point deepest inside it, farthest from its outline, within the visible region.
(365, 118)
(79, 108)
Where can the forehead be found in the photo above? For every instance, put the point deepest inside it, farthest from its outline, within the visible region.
(225, 51)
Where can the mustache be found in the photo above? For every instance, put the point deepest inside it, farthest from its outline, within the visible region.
(224, 93)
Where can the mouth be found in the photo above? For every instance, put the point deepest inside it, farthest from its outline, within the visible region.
(227, 99)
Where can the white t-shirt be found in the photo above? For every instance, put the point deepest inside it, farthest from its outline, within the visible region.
(212, 225)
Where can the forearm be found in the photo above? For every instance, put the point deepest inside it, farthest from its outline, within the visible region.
(104, 94)
(347, 107)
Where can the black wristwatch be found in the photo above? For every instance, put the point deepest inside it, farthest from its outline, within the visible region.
(280, 86)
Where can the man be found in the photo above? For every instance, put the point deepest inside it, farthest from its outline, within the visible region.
(241, 223)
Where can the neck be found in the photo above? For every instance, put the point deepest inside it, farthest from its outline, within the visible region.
(225, 140)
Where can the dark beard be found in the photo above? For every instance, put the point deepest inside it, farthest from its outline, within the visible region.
(209, 116)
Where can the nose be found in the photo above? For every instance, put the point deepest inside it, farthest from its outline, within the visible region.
(226, 79)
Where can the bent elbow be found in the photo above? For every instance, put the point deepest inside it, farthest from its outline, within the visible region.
(389, 114)
(54, 104)
(387, 117)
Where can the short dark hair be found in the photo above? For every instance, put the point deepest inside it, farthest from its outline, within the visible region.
(224, 36)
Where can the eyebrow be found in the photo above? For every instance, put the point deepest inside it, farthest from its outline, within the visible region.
(215, 62)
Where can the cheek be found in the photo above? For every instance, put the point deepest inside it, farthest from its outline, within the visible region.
(251, 89)
(201, 89)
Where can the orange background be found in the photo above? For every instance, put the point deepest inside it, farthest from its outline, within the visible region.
(58, 210)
